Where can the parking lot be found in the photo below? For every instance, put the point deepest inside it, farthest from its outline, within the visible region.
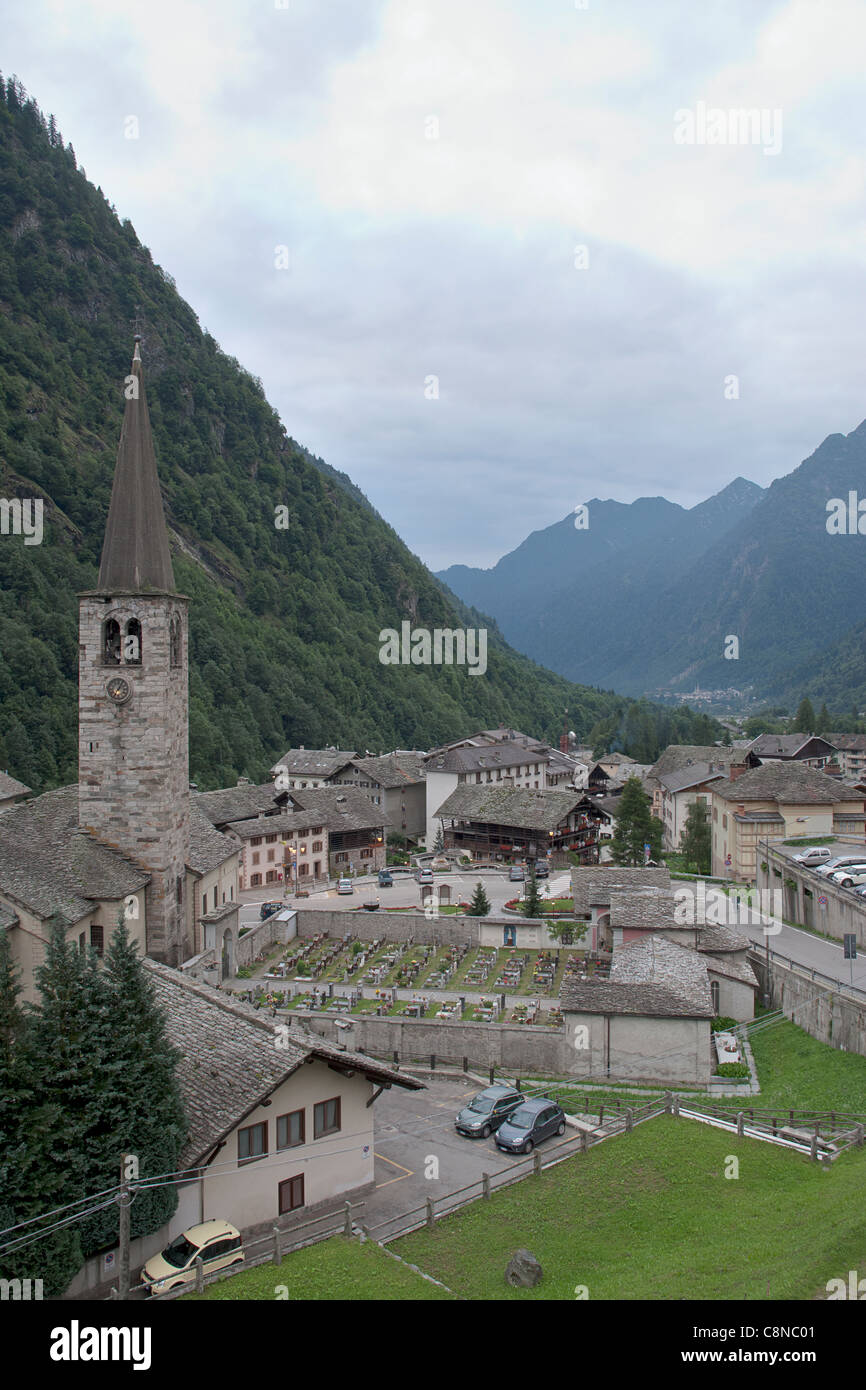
(420, 1155)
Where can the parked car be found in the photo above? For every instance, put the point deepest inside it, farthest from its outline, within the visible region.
(268, 909)
(345, 885)
(841, 861)
(385, 879)
(852, 877)
(816, 854)
(542, 869)
(516, 873)
(424, 875)
(533, 1122)
(371, 904)
(217, 1242)
(486, 1111)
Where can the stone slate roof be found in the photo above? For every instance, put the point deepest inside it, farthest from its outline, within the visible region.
(653, 960)
(521, 807)
(237, 803)
(616, 759)
(274, 825)
(10, 787)
(229, 1058)
(50, 866)
(314, 762)
(788, 782)
(848, 743)
(732, 969)
(394, 769)
(359, 813)
(784, 745)
(488, 756)
(135, 554)
(207, 847)
(689, 776)
(714, 937)
(678, 755)
(592, 884)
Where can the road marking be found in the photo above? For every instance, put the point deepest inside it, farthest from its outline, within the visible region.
(407, 1172)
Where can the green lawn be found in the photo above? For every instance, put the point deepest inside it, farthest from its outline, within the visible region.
(337, 1269)
(652, 1216)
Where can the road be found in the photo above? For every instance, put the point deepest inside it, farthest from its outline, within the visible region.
(405, 893)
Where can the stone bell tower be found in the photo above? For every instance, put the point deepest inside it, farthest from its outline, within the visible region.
(133, 714)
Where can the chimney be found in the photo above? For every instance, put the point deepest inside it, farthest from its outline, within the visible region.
(563, 743)
(736, 770)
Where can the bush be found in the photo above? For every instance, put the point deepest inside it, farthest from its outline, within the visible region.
(733, 1069)
(720, 1024)
(357, 948)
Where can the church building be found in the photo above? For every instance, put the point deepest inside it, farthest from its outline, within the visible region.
(126, 840)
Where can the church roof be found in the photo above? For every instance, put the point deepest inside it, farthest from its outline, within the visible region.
(48, 865)
(135, 554)
(207, 847)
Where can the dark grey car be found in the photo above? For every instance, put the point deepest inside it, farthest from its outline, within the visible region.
(532, 1122)
(486, 1111)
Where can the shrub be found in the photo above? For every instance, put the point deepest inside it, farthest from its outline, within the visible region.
(721, 1024)
(732, 1069)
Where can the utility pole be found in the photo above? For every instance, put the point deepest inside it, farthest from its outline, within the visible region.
(123, 1232)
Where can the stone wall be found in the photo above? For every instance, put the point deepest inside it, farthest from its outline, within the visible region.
(517, 1049)
(844, 913)
(396, 926)
(264, 934)
(825, 1014)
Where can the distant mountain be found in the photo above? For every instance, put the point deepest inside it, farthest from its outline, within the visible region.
(574, 597)
(284, 623)
(654, 593)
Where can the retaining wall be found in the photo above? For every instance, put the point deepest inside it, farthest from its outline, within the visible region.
(824, 1013)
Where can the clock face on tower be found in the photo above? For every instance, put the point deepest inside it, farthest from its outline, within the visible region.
(118, 690)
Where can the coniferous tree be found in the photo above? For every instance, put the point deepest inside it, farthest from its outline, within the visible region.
(804, 719)
(439, 842)
(35, 1177)
(532, 901)
(822, 720)
(480, 903)
(635, 826)
(696, 841)
(143, 1103)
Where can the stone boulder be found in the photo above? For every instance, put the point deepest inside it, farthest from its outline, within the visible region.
(523, 1270)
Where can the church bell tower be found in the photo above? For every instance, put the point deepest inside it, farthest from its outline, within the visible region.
(133, 725)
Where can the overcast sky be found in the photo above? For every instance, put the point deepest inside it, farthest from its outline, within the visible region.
(432, 166)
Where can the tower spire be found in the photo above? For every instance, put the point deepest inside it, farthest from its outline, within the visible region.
(135, 554)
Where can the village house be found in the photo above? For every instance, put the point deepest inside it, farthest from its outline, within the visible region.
(678, 790)
(678, 756)
(850, 755)
(811, 749)
(290, 848)
(777, 801)
(507, 822)
(310, 767)
(281, 1122)
(396, 782)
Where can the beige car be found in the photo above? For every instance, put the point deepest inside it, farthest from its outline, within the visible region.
(217, 1242)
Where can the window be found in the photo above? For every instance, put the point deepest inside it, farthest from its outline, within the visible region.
(303, 869)
(97, 939)
(256, 840)
(291, 1194)
(175, 642)
(111, 642)
(132, 643)
(271, 876)
(714, 992)
(316, 830)
(724, 822)
(317, 847)
(252, 1142)
(326, 1117)
(291, 1129)
(215, 899)
(82, 943)
(341, 858)
(366, 853)
(270, 856)
(203, 904)
(255, 880)
(178, 890)
(256, 857)
(270, 839)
